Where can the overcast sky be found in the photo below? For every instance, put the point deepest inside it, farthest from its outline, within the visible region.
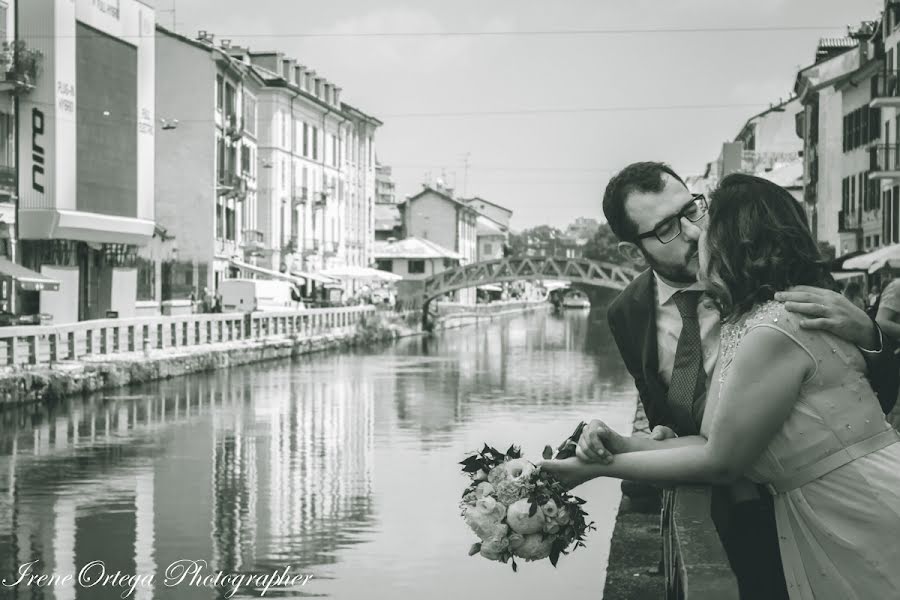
(549, 167)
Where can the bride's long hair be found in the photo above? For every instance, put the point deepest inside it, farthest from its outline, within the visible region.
(758, 243)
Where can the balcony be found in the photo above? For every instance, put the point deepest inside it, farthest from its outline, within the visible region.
(232, 185)
(884, 161)
(301, 196)
(885, 89)
(234, 127)
(21, 66)
(253, 242)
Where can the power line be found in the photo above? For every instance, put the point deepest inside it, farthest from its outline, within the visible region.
(514, 33)
(582, 110)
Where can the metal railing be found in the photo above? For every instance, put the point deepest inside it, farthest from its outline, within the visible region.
(884, 157)
(694, 561)
(47, 345)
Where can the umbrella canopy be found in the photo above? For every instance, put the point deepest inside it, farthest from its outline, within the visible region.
(873, 261)
(361, 273)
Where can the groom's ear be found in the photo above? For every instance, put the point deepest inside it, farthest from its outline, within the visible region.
(631, 252)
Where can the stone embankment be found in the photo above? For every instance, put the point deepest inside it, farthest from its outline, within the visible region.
(635, 553)
(94, 372)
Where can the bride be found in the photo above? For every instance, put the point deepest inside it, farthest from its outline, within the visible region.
(787, 407)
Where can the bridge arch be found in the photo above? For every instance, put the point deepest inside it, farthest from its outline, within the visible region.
(576, 270)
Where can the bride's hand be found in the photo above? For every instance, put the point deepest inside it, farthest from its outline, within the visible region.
(571, 472)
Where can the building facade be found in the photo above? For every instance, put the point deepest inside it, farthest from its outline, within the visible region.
(385, 191)
(86, 153)
(317, 176)
(885, 107)
(206, 169)
(821, 126)
(434, 215)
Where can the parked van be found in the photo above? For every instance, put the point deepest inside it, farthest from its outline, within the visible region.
(251, 295)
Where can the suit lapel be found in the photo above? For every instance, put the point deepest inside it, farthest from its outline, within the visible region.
(643, 322)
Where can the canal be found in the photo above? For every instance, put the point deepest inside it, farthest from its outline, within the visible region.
(340, 466)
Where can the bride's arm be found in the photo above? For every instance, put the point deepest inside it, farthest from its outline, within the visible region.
(762, 385)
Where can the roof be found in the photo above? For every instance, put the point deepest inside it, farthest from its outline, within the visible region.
(219, 54)
(387, 216)
(780, 107)
(487, 226)
(441, 194)
(474, 198)
(412, 247)
(360, 114)
(787, 175)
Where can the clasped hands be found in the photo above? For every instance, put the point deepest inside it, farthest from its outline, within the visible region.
(597, 445)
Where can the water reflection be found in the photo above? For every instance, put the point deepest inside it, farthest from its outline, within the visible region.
(268, 467)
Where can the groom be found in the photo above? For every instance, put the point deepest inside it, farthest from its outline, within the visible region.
(669, 343)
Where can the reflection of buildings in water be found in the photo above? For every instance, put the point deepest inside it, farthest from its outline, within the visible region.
(234, 482)
(77, 487)
(315, 467)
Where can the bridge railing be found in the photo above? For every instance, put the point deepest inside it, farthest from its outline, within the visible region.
(42, 345)
(695, 564)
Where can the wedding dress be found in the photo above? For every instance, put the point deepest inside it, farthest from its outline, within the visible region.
(833, 469)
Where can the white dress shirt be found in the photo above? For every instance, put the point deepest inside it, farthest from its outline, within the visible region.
(668, 329)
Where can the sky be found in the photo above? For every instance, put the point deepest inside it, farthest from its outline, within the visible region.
(555, 114)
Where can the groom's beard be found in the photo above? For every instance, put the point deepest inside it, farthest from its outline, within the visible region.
(683, 272)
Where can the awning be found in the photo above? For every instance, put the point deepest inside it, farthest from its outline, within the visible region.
(269, 273)
(873, 261)
(361, 273)
(312, 277)
(27, 279)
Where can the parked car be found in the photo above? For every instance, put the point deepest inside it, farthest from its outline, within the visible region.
(251, 295)
(8, 319)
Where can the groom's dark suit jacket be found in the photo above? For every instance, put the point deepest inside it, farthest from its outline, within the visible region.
(632, 320)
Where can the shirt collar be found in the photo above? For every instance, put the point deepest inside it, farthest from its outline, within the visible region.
(664, 291)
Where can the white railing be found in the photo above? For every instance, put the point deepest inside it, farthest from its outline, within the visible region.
(46, 345)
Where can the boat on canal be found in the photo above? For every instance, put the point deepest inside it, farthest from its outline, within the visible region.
(576, 299)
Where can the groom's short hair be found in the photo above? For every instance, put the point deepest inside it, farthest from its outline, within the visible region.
(637, 177)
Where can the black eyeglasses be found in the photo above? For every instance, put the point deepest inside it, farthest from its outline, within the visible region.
(670, 229)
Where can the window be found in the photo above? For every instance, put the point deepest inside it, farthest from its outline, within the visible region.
(415, 267)
(384, 264)
(845, 195)
(868, 242)
(229, 224)
(146, 279)
(315, 143)
(220, 159)
(334, 150)
(245, 159)
(285, 130)
(875, 240)
(305, 139)
(220, 93)
(250, 114)
(488, 248)
(230, 100)
(852, 194)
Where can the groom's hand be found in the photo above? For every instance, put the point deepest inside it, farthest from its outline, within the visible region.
(598, 443)
(832, 312)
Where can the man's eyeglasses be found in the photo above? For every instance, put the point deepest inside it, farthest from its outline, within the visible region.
(670, 229)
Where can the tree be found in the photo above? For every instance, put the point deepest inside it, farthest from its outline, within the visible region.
(604, 246)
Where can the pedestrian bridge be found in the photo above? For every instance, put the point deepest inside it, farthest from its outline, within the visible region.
(576, 270)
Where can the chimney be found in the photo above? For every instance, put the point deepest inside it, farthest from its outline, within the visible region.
(326, 92)
(337, 96)
(226, 44)
(300, 75)
(318, 86)
(287, 69)
(205, 36)
(310, 82)
(268, 60)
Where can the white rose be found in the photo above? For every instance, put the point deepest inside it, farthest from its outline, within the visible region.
(494, 547)
(484, 489)
(519, 520)
(534, 548)
(519, 468)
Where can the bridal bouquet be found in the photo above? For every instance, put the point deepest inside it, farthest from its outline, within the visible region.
(517, 510)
